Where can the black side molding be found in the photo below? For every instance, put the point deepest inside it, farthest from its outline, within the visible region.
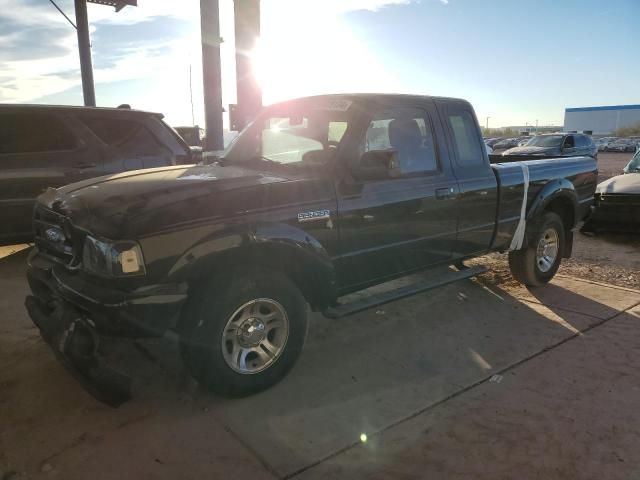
(346, 309)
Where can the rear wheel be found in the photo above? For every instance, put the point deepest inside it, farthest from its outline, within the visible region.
(245, 333)
(537, 264)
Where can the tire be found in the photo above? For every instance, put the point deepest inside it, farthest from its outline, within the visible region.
(266, 316)
(530, 266)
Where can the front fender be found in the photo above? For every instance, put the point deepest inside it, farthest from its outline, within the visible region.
(269, 245)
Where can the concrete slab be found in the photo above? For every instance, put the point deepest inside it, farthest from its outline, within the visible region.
(363, 373)
(568, 413)
(51, 427)
(596, 299)
(6, 250)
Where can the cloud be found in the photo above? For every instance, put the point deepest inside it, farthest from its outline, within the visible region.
(38, 48)
(157, 41)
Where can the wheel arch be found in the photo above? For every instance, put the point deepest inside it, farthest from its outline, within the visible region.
(559, 197)
(278, 247)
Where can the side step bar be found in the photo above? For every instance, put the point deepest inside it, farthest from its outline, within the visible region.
(343, 310)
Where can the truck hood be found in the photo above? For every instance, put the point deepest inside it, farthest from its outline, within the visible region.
(116, 204)
(533, 151)
(622, 184)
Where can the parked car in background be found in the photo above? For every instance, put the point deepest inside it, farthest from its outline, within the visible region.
(45, 146)
(523, 141)
(617, 202)
(634, 164)
(556, 145)
(622, 145)
(192, 135)
(492, 141)
(506, 143)
(602, 144)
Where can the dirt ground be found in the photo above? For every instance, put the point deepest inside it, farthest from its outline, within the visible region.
(607, 258)
(610, 164)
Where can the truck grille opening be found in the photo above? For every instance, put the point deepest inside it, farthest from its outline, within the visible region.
(55, 237)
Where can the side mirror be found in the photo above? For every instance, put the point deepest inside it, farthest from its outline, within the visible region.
(378, 165)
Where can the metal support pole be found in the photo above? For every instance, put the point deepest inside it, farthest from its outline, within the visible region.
(84, 47)
(211, 73)
(247, 27)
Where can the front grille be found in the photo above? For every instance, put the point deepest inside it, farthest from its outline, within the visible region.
(619, 203)
(55, 236)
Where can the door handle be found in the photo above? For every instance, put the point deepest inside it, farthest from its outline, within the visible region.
(83, 165)
(444, 193)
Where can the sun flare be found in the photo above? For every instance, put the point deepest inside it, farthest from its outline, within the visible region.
(308, 53)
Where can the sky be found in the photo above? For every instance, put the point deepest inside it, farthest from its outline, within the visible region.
(516, 61)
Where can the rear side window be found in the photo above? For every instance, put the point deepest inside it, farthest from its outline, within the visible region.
(129, 137)
(465, 137)
(32, 133)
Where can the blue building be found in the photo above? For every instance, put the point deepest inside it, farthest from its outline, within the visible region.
(601, 120)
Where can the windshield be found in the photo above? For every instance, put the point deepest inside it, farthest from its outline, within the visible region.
(634, 164)
(545, 141)
(293, 134)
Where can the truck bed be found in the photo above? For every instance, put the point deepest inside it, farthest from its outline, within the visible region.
(499, 158)
(580, 171)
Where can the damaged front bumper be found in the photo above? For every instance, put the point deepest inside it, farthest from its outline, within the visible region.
(75, 343)
(73, 315)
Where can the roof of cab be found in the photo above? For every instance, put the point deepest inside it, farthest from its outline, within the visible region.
(372, 97)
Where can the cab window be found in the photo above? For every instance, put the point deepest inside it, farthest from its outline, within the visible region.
(466, 141)
(408, 132)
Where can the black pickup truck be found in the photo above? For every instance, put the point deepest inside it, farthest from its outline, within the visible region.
(317, 198)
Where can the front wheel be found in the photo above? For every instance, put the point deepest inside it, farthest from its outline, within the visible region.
(537, 264)
(247, 332)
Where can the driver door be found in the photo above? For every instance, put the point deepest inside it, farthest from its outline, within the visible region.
(391, 226)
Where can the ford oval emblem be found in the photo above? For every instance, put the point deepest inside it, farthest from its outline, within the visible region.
(54, 235)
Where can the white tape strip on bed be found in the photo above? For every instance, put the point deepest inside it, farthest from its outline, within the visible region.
(518, 236)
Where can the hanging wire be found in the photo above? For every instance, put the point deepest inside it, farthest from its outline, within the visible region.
(63, 14)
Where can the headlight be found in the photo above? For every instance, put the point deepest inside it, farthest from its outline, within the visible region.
(112, 259)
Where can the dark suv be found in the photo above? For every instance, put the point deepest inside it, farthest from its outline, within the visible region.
(45, 146)
(555, 145)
